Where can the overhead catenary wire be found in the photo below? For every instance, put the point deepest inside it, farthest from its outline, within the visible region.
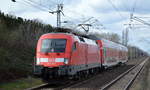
(53, 1)
(142, 21)
(74, 12)
(139, 18)
(81, 21)
(130, 25)
(41, 5)
(59, 2)
(125, 6)
(134, 6)
(58, 11)
(115, 8)
(62, 1)
(74, 18)
(34, 5)
(70, 18)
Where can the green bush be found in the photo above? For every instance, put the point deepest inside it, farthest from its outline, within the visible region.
(18, 38)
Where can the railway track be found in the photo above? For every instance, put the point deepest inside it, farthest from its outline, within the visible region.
(125, 80)
(65, 84)
(37, 87)
(86, 83)
(73, 84)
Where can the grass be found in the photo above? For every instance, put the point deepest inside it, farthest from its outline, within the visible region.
(21, 84)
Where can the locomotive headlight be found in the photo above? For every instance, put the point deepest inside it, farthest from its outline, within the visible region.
(66, 60)
(38, 61)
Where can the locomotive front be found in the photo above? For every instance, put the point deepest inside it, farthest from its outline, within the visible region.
(52, 55)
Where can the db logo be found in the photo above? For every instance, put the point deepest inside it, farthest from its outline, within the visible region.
(51, 59)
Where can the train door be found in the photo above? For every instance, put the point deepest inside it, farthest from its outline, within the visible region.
(85, 51)
(86, 55)
(104, 55)
(74, 53)
(101, 51)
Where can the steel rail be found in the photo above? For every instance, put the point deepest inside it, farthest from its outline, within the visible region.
(132, 80)
(105, 87)
(36, 87)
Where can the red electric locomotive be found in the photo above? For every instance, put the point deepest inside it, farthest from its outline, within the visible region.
(63, 54)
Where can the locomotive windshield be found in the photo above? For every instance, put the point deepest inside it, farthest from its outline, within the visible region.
(53, 45)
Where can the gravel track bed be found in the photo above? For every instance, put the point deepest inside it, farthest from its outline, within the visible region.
(122, 83)
(142, 82)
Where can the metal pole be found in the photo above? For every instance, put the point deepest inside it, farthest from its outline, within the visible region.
(131, 52)
(127, 31)
(123, 37)
(58, 15)
(59, 10)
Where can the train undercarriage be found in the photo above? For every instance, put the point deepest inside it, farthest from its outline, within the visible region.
(57, 74)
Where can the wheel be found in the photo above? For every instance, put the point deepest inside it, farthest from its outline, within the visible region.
(45, 75)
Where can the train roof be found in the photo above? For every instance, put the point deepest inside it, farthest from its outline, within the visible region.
(57, 33)
(67, 30)
(89, 38)
(107, 43)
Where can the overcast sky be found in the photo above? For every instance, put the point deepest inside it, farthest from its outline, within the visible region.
(113, 14)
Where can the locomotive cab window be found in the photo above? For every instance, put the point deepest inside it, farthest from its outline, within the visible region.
(53, 45)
